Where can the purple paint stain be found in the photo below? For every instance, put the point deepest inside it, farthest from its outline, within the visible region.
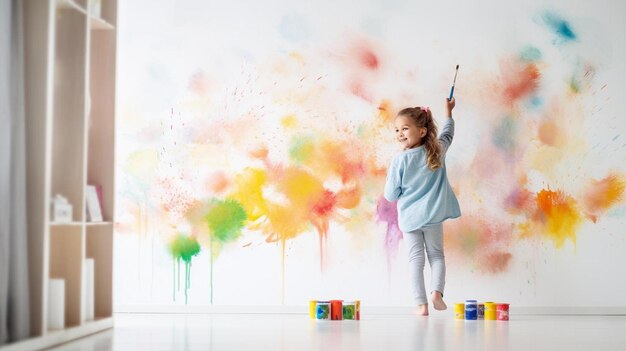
(388, 212)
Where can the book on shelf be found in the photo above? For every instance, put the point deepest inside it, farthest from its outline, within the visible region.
(94, 209)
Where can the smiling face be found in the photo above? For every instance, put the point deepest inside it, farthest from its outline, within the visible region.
(408, 133)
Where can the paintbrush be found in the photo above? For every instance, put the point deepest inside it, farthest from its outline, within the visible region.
(453, 83)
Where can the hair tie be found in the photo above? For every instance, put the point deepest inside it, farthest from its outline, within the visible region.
(426, 108)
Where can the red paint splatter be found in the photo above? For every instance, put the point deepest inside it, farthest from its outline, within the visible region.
(325, 204)
(517, 80)
(357, 88)
(522, 82)
(369, 59)
(480, 238)
(519, 201)
(496, 262)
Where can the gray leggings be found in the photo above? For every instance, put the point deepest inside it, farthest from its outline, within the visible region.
(431, 238)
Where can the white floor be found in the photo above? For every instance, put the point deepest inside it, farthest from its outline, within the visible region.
(147, 332)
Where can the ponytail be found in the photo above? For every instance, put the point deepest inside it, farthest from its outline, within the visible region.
(424, 118)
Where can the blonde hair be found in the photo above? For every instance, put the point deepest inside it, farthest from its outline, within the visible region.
(423, 118)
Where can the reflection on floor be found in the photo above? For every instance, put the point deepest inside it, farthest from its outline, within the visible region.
(147, 332)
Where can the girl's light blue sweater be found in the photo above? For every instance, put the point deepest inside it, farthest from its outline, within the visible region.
(424, 197)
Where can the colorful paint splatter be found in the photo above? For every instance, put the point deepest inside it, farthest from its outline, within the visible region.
(297, 142)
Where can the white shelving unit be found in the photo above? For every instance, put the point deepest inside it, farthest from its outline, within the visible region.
(70, 121)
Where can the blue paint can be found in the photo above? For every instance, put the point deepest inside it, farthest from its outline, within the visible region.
(471, 310)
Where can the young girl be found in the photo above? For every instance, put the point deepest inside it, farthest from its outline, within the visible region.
(417, 179)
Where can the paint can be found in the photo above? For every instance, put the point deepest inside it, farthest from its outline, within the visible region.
(322, 311)
(470, 310)
(459, 311)
(502, 311)
(358, 309)
(312, 308)
(349, 310)
(481, 311)
(490, 311)
(336, 310)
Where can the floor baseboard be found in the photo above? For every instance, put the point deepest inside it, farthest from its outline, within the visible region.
(370, 310)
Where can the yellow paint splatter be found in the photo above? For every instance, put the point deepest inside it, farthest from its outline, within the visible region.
(289, 122)
(559, 216)
(249, 192)
(142, 163)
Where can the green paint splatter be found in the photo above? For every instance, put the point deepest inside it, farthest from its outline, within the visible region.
(183, 247)
(469, 242)
(301, 149)
(225, 219)
(574, 85)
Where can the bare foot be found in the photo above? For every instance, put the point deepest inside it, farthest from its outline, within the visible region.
(438, 301)
(422, 310)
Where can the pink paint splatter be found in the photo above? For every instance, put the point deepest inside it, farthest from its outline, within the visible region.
(388, 212)
(369, 59)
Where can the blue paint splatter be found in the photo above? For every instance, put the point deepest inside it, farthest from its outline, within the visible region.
(536, 101)
(504, 136)
(294, 28)
(615, 137)
(530, 54)
(560, 27)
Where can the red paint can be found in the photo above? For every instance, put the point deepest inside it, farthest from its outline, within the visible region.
(336, 310)
(502, 311)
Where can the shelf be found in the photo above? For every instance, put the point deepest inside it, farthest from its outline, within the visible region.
(66, 262)
(97, 23)
(94, 224)
(70, 56)
(78, 224)
(68, 119)
(70, 5)
(99, 246)
(68, 224)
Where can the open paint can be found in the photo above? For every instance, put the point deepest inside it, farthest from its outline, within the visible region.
(459, 311)
(481, 311)
(312, 308)
(349, 310)
(322, 311)
(471, 313)
(502, 311)
(490, 311)
(336, 310)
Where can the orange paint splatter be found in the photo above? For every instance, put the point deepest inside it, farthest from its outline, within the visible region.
(604, 194)
(349, 198)
(259, 151)
(522, 81)
(217, 182)
(558, 215)
(384, 111)
(549, 133)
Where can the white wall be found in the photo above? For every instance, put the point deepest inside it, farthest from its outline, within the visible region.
(204, 83)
